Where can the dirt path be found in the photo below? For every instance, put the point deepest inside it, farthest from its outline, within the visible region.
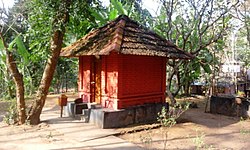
(198, 130)
(56, 133)
(51, 103)
(209, 131)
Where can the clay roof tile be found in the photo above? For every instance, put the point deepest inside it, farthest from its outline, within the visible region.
(125, 36)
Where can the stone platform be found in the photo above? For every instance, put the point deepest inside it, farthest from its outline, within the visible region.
(107, 118)
(230, 106)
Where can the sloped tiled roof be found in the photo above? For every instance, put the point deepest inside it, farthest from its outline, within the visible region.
(125, 36)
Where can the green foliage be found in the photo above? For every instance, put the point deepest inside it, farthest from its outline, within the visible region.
(130, 8)
(41, 14)
(167, 118)
(115, 9)
(49, 136)
(242, 47)
(11, 115)
(38, 18)
(80, 19)
(199, 141)
(2, 55)
(196, 27)
(42, 19)
(13, 29)
(18, 48)
(118, 6)
(21, 49)
(243, 130)
(65, 77)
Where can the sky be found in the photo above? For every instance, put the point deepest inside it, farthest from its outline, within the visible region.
(7, 3)
(151, 5)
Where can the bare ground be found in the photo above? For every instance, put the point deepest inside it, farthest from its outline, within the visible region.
(195, 129)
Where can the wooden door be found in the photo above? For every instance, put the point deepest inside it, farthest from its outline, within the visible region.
(96, 80)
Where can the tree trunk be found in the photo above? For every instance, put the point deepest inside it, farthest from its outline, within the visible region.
(186, 89)
(169, 79)
(18, 79)
(9, 86)
(66, 82)
(178, 84)
(38, 103)
(55, 46)
(170, 95)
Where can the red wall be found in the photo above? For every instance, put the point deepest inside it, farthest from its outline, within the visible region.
(142, 79)
(126, 80)
(140, 75)
(110, 66)
(84, 77)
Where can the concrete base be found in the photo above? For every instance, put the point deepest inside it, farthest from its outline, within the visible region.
(72, 109)
(229, 106)
(107, 118)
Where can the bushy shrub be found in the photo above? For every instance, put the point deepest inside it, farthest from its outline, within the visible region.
(11, 115)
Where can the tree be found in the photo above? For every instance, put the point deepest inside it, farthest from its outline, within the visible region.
(47, 22)
(9, 56)
(61, 18)
(78, 26)
(195, 26)
(45, 33)
(18, 79)
(8, 23)
(242, 16)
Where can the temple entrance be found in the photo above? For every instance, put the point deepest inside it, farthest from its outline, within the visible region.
(96, 80)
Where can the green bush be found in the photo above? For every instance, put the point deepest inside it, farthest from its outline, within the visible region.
(11, 115)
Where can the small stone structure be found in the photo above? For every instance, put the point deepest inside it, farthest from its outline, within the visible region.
(141, 114)
(230, 106)
(109, 118)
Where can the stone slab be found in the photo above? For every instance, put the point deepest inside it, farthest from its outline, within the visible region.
(107, 118)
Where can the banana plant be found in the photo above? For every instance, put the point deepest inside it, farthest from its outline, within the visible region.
(115, 9)
(21, 49)
(18, 48)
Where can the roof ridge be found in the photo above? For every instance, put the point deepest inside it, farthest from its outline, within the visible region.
(118, 38)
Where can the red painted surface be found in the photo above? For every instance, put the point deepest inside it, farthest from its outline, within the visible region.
(143, 80)
(110, 80)
(126, 80)
(84, 78)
